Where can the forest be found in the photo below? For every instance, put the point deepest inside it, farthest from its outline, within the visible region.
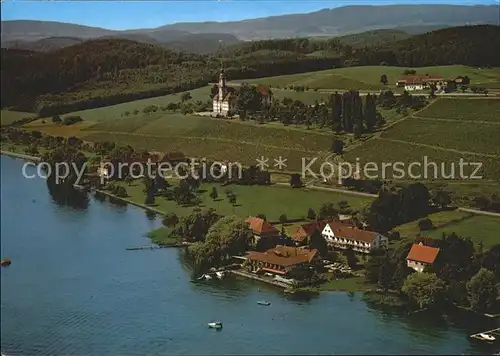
(110, 71)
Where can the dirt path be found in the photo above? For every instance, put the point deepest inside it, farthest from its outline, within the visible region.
(457, 121)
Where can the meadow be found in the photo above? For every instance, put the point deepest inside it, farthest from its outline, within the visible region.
(7, 117)
(271, 201)
(368, 77)
(476, 227)
(463, 109)
(462, 136)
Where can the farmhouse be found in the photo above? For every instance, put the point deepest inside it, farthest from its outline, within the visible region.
(421, 256)
(282, 259)
(261, 228)
(345, 236)
(414, 82)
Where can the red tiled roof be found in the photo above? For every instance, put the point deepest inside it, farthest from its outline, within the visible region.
(263, 90)
(306, 230)
(260, 226)
(421, 253)
(353, 233)
(284, 256)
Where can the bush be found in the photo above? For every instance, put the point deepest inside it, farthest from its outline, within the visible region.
(70, 120)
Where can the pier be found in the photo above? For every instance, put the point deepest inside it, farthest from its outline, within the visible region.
(494, 334)
(155, 247)
(261, 279)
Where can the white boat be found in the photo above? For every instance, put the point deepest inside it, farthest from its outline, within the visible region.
(263, 302)
(487, 337)
(207, 277)
(219, 274)
(215, 325)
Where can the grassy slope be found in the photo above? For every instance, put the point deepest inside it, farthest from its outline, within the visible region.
(369, 76)
(460, 109)
(477, 227)
(7, 117)
(463, 136)
(251, 200)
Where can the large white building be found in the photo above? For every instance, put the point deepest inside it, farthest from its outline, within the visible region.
(224, 101)
(347, 236)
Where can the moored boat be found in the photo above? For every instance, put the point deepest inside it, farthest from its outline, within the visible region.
(215, 325)
(263, 302)
(5, 262)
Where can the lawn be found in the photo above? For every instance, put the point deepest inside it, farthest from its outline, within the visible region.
(57, 129)
(464, 109)
(7, 117)
(476, 227)
(462, 136)
(380, 151)
(252, 200)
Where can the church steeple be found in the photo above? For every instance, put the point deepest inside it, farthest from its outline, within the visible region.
(222, 84)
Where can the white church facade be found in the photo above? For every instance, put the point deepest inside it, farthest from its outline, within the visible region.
(224, 102)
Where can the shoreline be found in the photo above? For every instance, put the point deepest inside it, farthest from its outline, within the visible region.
(20, 156)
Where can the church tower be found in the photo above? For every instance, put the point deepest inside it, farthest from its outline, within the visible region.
(222, 84)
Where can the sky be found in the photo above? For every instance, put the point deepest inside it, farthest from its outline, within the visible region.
(119, 15)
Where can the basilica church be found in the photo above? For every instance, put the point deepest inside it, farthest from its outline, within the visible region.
(224, 102)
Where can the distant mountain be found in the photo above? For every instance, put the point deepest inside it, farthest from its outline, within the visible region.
(414, 19)
(43, 45)
(200, 43)
(28, 30)
(348, 19)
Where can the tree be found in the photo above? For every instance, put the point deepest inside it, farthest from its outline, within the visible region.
(383, 79)
(425, 224)
(213, 194)
(248, 99)
(186, 96)
(56, 119)
(232, 199)
(352, 261)
(318, 242)
(425, 290)
(311, 214)
(344, 207)
(295, 180)
(370, 113)
(482, 290)
(261, 216)
(442, 198)
(170, 220)
(338, 146)
(327, 211)
(283, 219)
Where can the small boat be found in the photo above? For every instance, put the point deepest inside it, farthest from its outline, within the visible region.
(263, 302)
(487, 337)
(5, 262)
(215, 325)
(220, 274)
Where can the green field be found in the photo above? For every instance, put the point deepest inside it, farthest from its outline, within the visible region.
(380, 151)
(252, 200)
(115, 111)
(7, 117)
(368, 77)
(464, 109)
(476, 227)
(462, 136)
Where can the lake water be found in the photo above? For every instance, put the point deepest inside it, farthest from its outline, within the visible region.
(73, 289)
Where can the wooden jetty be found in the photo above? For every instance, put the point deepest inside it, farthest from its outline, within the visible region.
(494, 333)
(155, 247)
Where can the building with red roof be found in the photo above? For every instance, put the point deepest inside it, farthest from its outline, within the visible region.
(421, 256)
(282, 259)
(261, 228)
(344, 236)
